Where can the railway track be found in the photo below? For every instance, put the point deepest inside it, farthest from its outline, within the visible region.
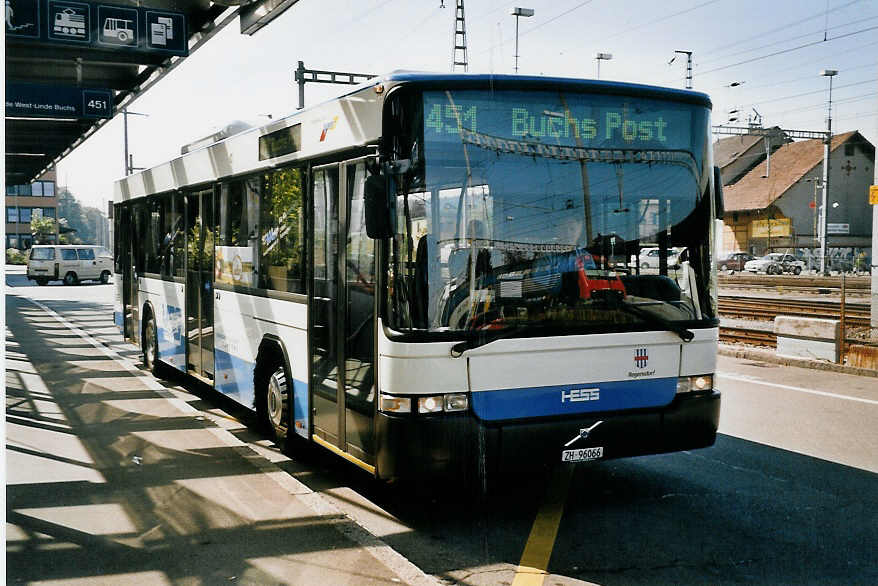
(809, 283)
(760, 308)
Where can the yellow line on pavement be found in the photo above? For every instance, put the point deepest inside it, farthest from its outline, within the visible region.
(531, 569)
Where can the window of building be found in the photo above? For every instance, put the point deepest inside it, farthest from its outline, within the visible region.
(282, 227)
(85, 253)
(12, 215)
(12, 242)
(49, 189)
(48, 212)
(24, 215)
(36, 189)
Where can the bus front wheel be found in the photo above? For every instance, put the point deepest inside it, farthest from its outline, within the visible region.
(274, 400)
(150, 345)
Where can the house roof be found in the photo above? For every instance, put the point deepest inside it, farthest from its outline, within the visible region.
(788, 165)
(727, 150)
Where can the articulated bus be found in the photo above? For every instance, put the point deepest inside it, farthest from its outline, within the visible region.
(436, 273)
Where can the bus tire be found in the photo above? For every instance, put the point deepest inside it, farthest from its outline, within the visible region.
(70, 278)
(274, 397)
(149, 344)
(105, 277)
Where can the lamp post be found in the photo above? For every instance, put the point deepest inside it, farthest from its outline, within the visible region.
(518, 12)
(602, 57)
(830, 73)
(129, 163)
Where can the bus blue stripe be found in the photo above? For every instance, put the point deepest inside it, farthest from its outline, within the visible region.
(234, 378)
(559, 400)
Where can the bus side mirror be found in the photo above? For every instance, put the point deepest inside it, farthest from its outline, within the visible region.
(718, 193)
(378, 219)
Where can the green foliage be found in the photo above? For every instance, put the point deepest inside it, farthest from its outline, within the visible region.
(282, 218)
(41, 228)
(15, 257)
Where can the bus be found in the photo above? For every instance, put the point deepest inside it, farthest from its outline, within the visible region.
(438, 273)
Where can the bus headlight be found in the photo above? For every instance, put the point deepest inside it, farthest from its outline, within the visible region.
(695, 384)
(391, 404)
(430, 404)
(456, 402)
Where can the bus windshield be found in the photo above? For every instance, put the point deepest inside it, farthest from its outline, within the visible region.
(552, 210)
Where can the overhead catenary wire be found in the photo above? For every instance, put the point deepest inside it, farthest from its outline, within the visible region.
(774, 54)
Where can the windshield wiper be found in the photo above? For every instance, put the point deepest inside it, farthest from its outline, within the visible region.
(486, 337)
(685, 335)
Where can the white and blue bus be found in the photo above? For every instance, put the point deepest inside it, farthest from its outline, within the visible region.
(435, 271)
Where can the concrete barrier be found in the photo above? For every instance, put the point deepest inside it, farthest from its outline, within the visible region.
(807, 337)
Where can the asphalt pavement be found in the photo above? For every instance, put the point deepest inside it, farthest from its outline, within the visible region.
(116, 477)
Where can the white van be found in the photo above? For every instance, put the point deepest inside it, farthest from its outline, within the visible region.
(71, 263)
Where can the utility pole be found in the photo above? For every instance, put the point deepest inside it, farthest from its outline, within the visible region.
(824, 270)
(129, 159)
(688, 66)
(518, 12)
(874, 262)
(458, 55)
(303, 76)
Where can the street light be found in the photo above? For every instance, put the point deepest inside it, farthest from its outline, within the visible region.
(602, 57)
(129, 160)
(830, 73)
(517, 12)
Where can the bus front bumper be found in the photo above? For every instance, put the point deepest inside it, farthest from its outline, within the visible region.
(447, 445)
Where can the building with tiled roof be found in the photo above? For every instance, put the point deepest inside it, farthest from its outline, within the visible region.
(777, 208)
(736, 155)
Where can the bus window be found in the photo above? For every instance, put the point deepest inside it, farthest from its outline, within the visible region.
(282, 232)
(236, 239)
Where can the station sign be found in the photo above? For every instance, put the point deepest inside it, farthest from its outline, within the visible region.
(104, 26)
(51, 101)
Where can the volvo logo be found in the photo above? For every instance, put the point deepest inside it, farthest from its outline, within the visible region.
(583, 434)
(577, 395)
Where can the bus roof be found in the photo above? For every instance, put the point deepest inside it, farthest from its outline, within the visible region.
(358, 113)
(505, 81)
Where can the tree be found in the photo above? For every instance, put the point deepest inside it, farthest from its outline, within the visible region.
(43, 229)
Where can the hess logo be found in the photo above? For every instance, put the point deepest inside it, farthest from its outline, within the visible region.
(577, 395)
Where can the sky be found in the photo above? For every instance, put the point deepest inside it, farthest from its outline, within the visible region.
(772, 51)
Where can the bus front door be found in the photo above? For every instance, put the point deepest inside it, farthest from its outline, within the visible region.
(199, 283)
(343, 312)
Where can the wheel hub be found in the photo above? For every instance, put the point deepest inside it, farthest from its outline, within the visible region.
(275, 402)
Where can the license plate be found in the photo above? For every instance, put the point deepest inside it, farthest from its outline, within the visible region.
(582, 455)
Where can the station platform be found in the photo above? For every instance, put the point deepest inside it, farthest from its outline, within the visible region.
(115, 477)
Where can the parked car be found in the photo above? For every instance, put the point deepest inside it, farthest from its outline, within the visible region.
(734, 261)
(70, 263)
(649, 258)
(775, 264)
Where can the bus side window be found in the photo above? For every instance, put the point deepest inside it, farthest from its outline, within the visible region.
(282, 226)
(237, 237)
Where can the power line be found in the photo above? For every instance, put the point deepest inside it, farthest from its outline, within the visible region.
(772, 44)
(820, 91)
(788, 50)
(810, 63)
(774, 30)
